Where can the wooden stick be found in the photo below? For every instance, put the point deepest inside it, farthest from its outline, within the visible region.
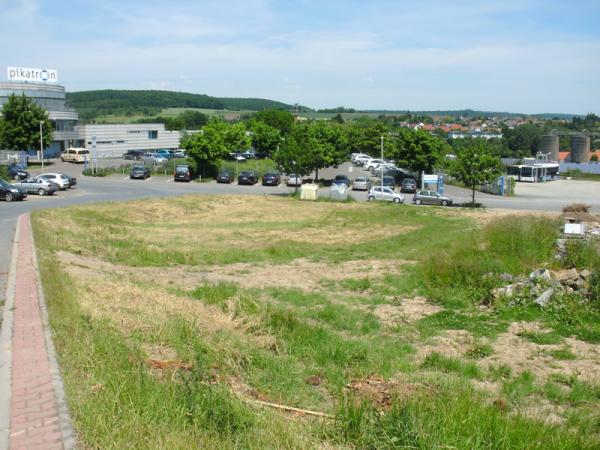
(291, 408)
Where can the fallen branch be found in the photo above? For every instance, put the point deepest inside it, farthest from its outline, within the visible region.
(291, 408)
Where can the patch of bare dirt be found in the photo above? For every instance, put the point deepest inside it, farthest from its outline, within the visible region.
(522, 355)
(405, 310)
(381, 392)
(451, 343)
(544, 411)
(300, 273)
(485, 216)
(489, 387)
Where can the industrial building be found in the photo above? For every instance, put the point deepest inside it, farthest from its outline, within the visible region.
(114, 140)
(51, 97)
(109, 140)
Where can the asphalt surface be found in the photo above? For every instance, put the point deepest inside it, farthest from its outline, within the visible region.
(549, 197)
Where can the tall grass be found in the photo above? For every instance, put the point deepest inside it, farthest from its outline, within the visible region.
(470, 267)
(453, 417)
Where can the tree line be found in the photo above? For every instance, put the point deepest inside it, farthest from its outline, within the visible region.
(307, 147)
(91, 104)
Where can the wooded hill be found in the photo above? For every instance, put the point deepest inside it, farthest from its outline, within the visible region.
(91, 104)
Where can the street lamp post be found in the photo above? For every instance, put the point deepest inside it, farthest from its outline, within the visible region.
(42, 144)
(296, 178)
(381, 163)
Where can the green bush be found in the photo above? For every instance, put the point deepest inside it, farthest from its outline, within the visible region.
(4, 173)
(594, 289)
(581, 254)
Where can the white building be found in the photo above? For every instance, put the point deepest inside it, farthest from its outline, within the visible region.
(114, 140)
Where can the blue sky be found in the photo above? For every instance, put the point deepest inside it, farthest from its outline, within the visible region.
(522, 56)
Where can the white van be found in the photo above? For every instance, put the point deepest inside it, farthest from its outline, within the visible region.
(76, 155)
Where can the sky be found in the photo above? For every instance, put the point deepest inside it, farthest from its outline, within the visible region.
(529, 56)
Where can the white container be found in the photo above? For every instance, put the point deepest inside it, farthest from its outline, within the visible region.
(309, 192)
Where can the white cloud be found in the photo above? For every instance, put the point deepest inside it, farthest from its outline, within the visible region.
(359, 66)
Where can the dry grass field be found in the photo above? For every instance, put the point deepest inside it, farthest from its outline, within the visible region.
(266, 322)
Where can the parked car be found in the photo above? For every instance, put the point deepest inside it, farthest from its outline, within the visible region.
(361, 184)
(134, 155)
(225, 176)
(249, 154)
(386, 194)
(271, 179)
(368, 165)
(72, 180)
(75, 155)
(17, 172)
(378, 167)
(388, 182)
(139, 171)
(9, 192)
(237, 156)
(341, 180)
(431, 198)
(180, 154)
(154, 158)
(409, 185)
(248, 177)
(182, 172)
(64, 181)
(361, 159)
(38, 186)
(357, 157)
(294, 180)
(399, 175)
(166, 153)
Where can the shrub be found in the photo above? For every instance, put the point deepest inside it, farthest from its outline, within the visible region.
(4, 173)
(594, 289)
(576, 208)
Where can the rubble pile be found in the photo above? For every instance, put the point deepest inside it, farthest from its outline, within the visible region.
(542, 284)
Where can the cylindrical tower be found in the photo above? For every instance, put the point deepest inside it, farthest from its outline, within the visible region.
(580, 148)
(549, 145)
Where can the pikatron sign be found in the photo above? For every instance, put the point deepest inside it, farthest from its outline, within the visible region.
(28, 74)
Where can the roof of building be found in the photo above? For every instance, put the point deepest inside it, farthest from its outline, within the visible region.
(562, 156)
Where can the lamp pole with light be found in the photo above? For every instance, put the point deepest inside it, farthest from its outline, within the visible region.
(382, 164)
(42, 144)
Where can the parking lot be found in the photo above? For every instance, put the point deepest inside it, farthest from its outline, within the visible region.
(549, 196)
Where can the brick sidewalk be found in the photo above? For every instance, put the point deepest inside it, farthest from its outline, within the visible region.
(35, 416)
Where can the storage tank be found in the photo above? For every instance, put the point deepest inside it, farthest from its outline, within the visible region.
(580, 149)
(550, 146)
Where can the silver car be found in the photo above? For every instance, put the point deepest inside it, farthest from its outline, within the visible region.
(38, 186)
(361, 184)
(425, 197)
(294, 180)
(386, 194)
(58, 178)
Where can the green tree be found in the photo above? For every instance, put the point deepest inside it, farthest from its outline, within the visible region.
(524, 139)
(329, 145)
(282, 120)
(265, 138)
(417, 150)
(294, 154)
(192, 120)
(338, 118)
(207, 148)
(364, 136)
(475, 165)
(235, 137)
(20, 124)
